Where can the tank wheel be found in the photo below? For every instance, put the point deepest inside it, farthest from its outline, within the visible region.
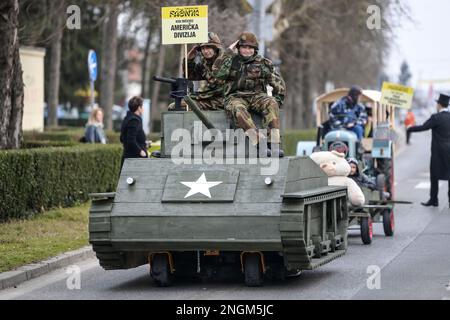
(388, 222)
(252, 270)
(366, 230)
(161, 270)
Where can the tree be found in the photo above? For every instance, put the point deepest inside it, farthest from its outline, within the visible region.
(11, 82)
(75, 48)
(58, 19)
(109, 60)
(320, 41)
(405, 74)
(157, 85)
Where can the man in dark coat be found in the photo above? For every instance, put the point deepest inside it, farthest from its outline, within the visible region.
(132, 135)
(439, 123)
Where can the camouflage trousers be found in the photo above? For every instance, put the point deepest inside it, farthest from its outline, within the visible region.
(238, 108)
(211, 104)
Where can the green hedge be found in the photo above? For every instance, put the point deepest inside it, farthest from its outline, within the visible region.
(33, 144)
(292, 137)
(73, 135)
(35, 180)
(81, 123)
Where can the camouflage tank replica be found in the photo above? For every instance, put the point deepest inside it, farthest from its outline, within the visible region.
(212, 219)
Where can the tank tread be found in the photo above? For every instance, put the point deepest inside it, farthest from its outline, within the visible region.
(109, 259)
(100, 221)
(292, 239)
(299, 254)
(99, 233)
(316, 263)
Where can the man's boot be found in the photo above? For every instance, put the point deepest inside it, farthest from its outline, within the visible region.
(264, 148)
(275, 150)
(275, 143)
(430, 203)
(258, 140)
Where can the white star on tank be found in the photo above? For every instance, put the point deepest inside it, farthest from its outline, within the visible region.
(200, 186)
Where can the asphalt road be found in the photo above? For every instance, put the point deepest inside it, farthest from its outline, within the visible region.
(414, 264)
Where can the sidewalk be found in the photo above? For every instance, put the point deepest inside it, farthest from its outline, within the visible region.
(13, 278)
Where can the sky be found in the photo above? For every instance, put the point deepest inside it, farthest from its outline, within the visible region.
(424, 43)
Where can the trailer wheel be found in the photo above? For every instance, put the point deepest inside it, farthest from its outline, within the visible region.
(388, 222)
(252, 270)
(366, 230)
(161, 270)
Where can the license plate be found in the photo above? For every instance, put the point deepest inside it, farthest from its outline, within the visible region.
(212, 253)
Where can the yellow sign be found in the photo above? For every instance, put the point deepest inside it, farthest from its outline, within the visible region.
(182, 25)
(397, 95)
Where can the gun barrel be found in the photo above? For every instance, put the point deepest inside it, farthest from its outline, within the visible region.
(191, 103)
(166, 80)
(392, 202)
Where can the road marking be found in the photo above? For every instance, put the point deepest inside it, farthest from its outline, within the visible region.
(426, 185)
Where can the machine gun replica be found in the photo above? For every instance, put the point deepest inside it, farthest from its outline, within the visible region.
(180, 92)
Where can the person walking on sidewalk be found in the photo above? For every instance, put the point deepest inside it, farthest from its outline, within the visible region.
(410, 121)
(439, 123)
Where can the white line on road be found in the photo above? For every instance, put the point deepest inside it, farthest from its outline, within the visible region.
(426, 185)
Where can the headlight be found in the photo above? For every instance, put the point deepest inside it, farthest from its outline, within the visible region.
(130, 181)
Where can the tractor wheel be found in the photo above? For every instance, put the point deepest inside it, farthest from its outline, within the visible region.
(161, 270)
(252, 270)
(388, 222)
(366, 230)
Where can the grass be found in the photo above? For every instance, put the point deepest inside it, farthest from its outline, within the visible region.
(47, 235)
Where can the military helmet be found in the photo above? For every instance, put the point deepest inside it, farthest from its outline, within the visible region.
(213, 41)
(248, 39)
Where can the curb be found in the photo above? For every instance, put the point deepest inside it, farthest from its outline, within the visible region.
(13, 278)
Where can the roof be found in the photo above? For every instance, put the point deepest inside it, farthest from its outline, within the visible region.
(367, 96)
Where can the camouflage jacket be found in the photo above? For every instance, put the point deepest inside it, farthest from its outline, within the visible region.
(247, 77)
(202, 71)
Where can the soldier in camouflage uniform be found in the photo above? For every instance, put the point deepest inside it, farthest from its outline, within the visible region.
(247, 75)
(209, 96)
